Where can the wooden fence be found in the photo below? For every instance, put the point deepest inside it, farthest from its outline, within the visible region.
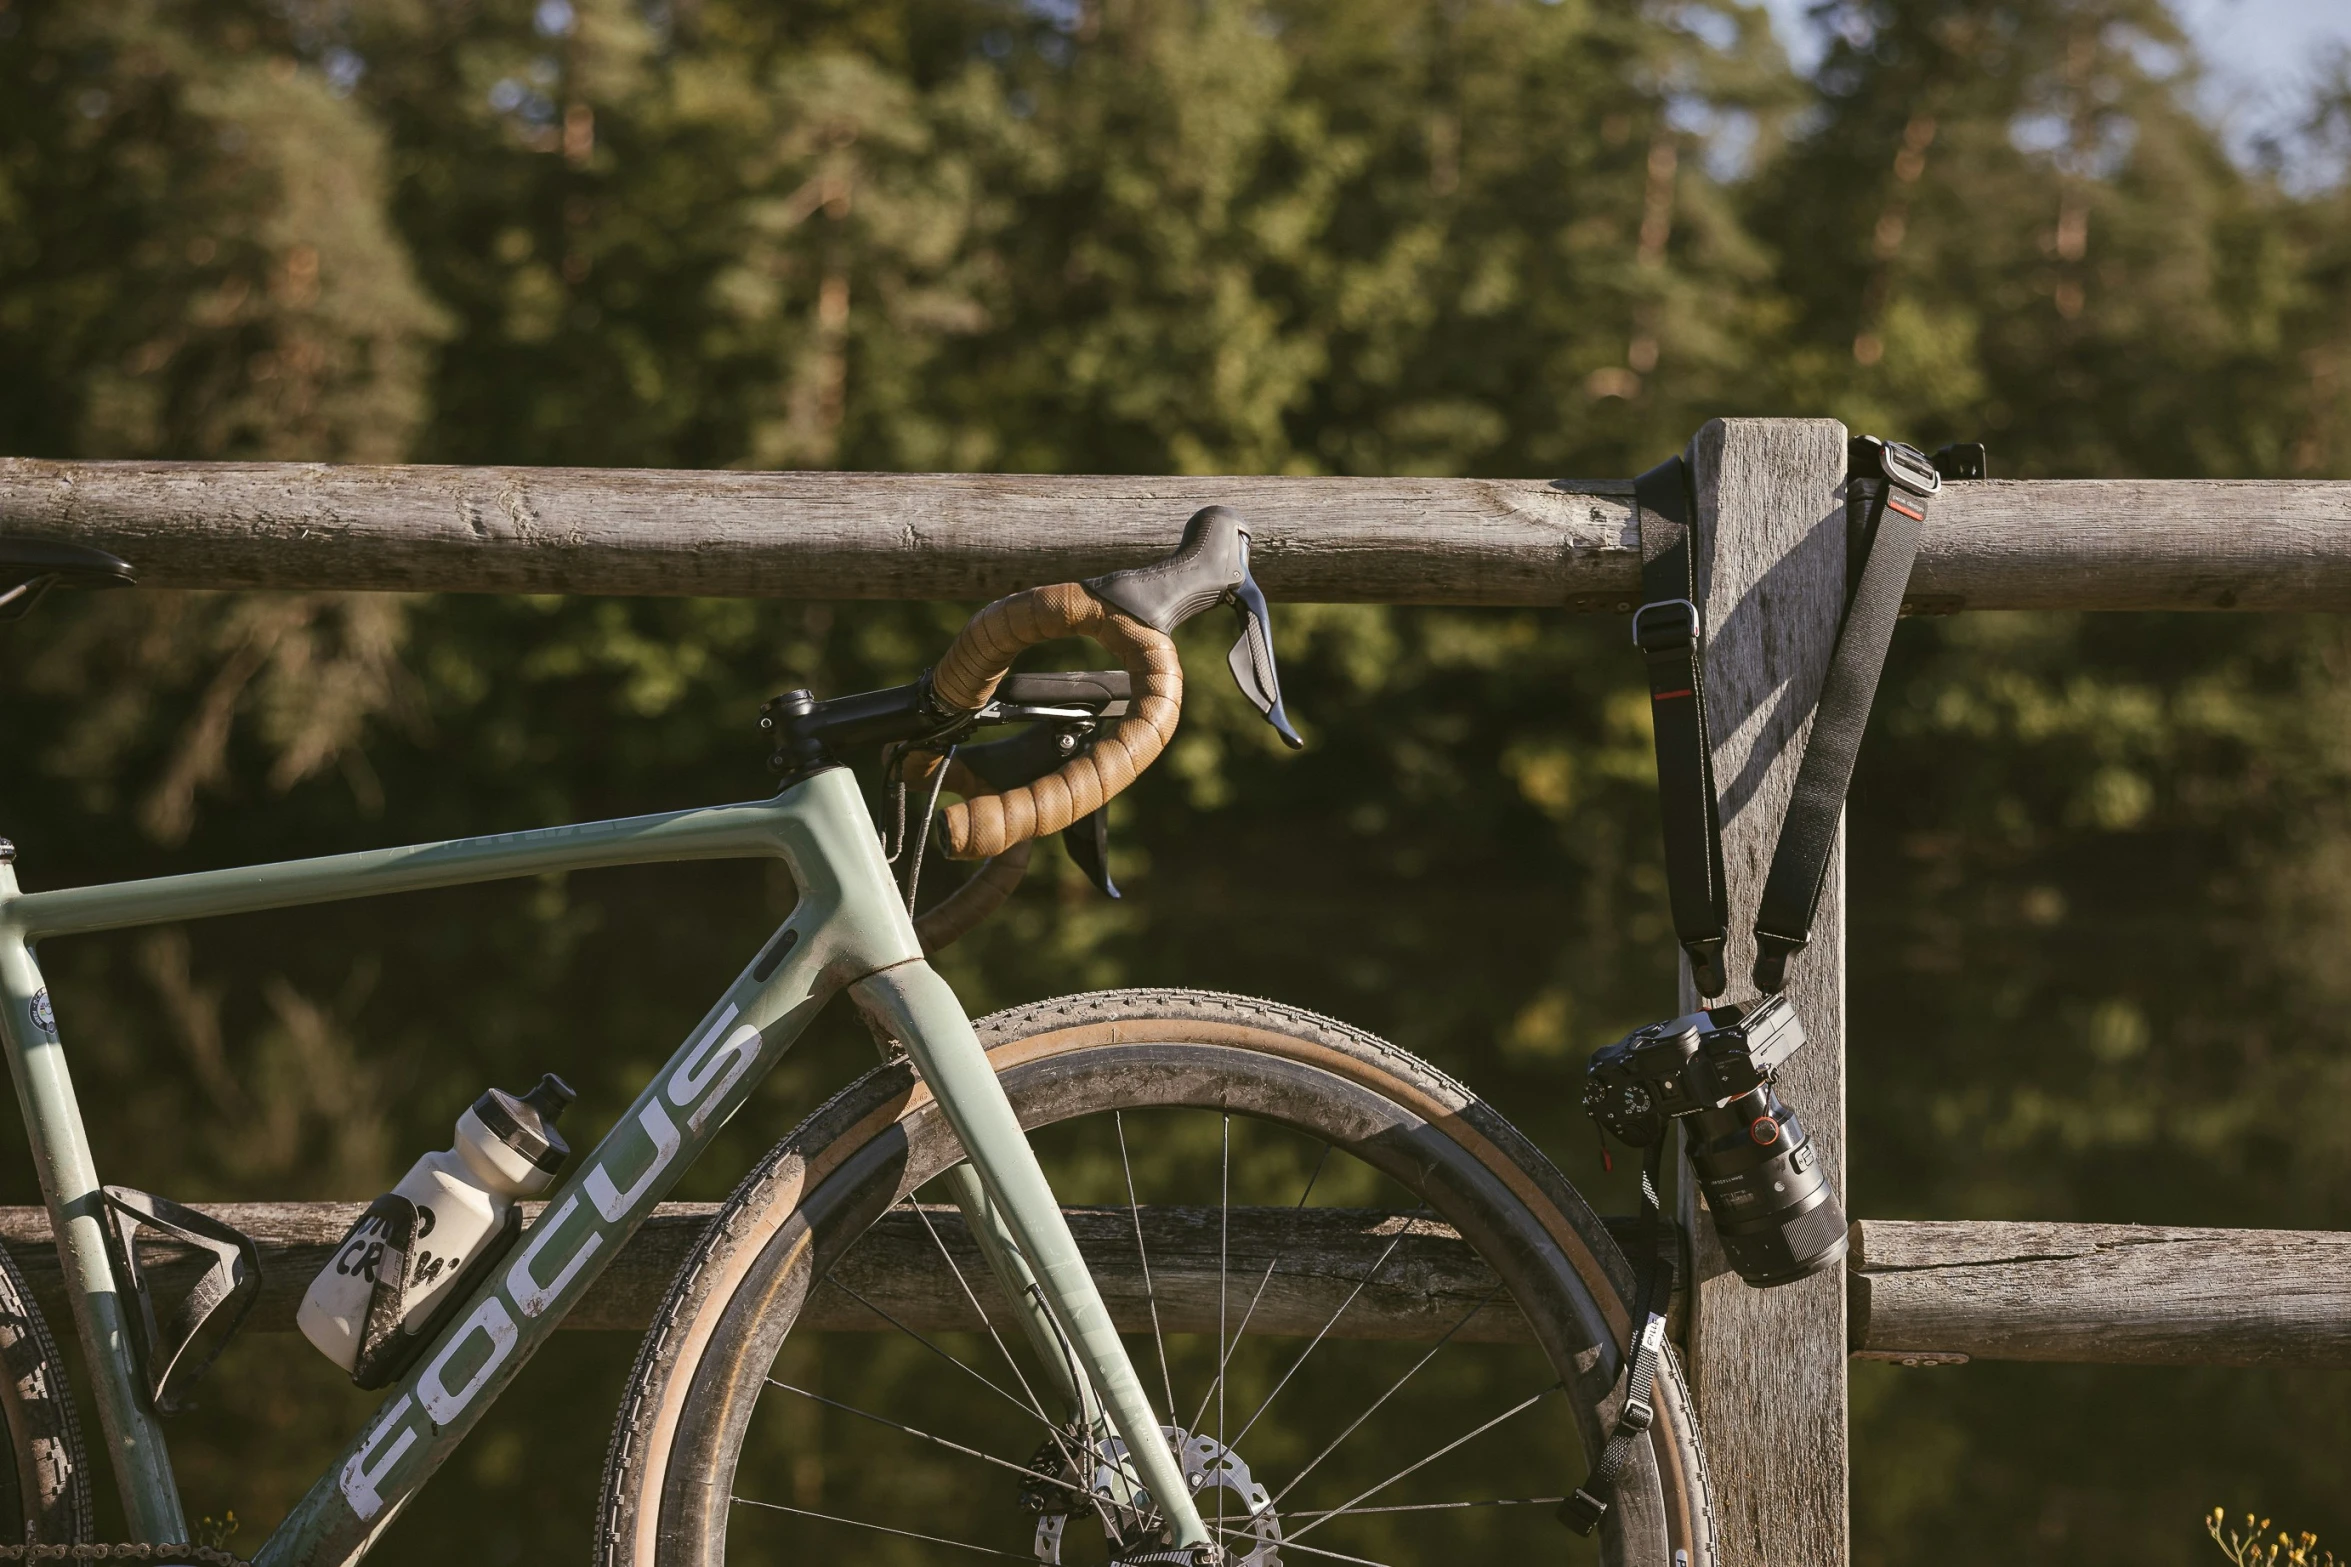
(1768, 1367)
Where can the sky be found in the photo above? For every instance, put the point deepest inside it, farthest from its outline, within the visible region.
(2254, 38)
(2249, 38)
(2263, 55)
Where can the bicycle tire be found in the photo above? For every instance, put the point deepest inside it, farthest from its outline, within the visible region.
(45, 1496)
(671, 1469)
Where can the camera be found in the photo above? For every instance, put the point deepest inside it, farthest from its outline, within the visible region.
(1773, 1209)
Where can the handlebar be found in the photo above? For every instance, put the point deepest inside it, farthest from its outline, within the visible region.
(1131, 613)
(984, 825)
(1114, 723)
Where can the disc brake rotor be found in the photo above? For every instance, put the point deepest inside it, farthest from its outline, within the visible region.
(1208, 1465)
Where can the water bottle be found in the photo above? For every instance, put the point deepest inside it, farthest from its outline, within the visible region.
(419, 1247)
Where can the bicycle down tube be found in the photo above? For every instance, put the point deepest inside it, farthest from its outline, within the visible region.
(848, 928)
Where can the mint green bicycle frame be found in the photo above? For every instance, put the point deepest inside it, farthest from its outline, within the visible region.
(848, 931)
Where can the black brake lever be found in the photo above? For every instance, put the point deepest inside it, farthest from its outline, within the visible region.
(1210, 567)
(1251, 659)
(1088, 841)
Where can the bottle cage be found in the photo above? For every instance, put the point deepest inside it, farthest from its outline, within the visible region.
(230, 1284)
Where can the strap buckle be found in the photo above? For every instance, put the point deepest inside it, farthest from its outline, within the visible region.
(1708, 970)
(1772, 952)
(1683, 631)
(1637, 1415)
(1898, 462)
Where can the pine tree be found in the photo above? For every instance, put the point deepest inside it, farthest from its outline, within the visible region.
(196, 259)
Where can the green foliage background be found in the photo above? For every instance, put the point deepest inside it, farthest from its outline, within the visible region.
(2101, 866)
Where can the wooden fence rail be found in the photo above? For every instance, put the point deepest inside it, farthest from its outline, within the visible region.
(2091, 544)
(1921, 1293)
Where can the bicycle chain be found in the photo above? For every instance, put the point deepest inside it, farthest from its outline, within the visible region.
(183, 1554)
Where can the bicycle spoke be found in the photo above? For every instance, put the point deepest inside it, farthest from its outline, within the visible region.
(1023, 1470)
(1150, 1298)
(1224, 1229)
(1036, 1404)
(1312, 1344)
(1429, 1507)
(1311, 1550)
(968, 1370)
(1466, 1437)
(883, 1528)
(1225, 1356)
(1393, 1389)
(1037, 1407)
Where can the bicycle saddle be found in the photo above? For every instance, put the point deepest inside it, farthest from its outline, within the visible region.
(30, 567)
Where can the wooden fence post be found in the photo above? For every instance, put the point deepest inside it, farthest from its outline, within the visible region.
(1768, 1366)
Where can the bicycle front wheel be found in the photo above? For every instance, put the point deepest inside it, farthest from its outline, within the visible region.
(1384, 1328)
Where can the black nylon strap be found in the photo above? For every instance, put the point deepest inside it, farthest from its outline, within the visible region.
(1583, 1510)
(1895, 483)
(1667, 630)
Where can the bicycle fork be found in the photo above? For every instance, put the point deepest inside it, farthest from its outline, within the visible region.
(1020, 1230)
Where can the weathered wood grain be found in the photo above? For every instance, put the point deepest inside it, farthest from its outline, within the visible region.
(1768, 1366)
(2124, 1294)
(2137, 544)
(2087, 544)
(1316, 1258)
(814, 535)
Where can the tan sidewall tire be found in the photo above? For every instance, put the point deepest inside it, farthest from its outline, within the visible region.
(700, 1370)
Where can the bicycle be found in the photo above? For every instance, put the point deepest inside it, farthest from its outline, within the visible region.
(1017, 1414)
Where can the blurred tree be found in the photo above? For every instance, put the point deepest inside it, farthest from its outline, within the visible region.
(2015, 225)
(195, 253)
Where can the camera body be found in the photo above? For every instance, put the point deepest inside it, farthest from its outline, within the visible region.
(1774, 1211)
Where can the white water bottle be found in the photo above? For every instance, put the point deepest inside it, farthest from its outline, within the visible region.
(451, 1214)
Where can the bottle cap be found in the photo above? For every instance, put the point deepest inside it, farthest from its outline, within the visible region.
(526, 1123)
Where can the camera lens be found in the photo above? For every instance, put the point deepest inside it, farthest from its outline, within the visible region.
(1774, 1211)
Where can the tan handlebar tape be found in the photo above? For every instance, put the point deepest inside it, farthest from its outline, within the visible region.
(985, 824)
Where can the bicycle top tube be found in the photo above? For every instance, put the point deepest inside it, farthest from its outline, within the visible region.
(751, 829)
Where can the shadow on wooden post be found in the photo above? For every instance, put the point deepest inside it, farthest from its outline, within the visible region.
(1768, 1366)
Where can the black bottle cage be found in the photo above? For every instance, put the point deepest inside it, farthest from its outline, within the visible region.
(388, 1228)
(230, 1284)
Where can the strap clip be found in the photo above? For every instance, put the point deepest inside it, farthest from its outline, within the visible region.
(1638, 1415)
(1895, 461)
(1772, 952)
(1670, 635)
(1582, 1512)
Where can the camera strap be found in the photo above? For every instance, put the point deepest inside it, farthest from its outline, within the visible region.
(1666, 629)
(1583, 1510)
(1892, 484)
